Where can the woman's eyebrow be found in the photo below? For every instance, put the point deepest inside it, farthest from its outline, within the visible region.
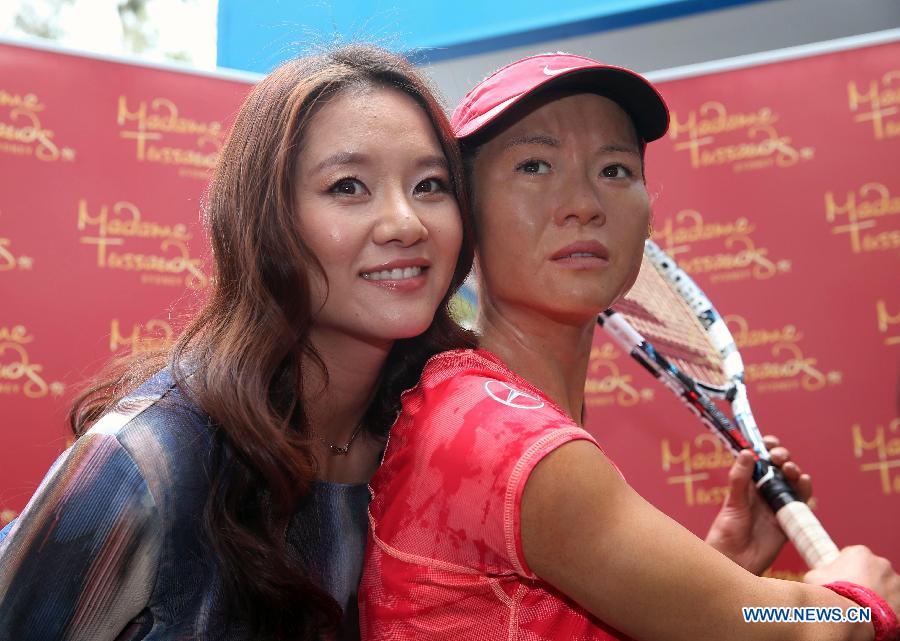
(627, 149)
(435, 161)
(534, 139)
(341, 158)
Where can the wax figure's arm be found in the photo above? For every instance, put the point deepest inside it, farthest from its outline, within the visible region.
(587, 533)
(745, 529)
(80, 562)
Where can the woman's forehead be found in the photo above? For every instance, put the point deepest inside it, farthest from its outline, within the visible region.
(550, 118)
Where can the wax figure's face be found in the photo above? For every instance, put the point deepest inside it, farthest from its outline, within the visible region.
(561, 207)
(375, 206)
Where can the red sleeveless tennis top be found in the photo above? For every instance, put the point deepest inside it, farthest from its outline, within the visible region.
(444, 558)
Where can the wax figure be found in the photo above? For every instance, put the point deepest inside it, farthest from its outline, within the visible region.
(494, 514)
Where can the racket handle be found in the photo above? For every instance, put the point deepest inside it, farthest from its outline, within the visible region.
(806, 533)
(797, 521)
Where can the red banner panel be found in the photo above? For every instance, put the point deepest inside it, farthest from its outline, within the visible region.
(103, 165)
(777, 189)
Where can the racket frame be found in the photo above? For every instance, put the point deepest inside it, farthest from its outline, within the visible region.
(794, 516)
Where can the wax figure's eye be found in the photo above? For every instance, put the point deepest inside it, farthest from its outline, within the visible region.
(433, 185)
(534, 166)
(348, 187)
(616, 171)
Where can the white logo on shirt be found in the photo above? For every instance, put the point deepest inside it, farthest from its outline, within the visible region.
(555, 72)
(503, 393)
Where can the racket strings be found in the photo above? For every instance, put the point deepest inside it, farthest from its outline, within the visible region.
(658, 311)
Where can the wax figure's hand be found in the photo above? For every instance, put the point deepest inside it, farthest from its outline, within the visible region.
(858, 564)
(745, 529)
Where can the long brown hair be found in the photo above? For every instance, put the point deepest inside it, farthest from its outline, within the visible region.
(242, 358)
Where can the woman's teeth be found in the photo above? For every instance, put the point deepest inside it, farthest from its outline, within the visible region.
(393, 274)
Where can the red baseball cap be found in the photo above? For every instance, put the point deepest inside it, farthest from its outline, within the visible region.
(508, 86)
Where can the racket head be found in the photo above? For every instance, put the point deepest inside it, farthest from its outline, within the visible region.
(676, 317)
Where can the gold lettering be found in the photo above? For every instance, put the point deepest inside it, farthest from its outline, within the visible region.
(15, 334)
(885, 321)
(715, 119)
(882, 101)
(26, 128)
(7, 260)
(881, 241)
(21, 368)
(614, 382)
(181, 262)
(127, 223)
(695, 229)
(191, 157)
(746, 337)
(711, 496)
(882, 204)
(159, 336)
(690, 461)
(862, 208)
(765, 142)
(161, 116)
(747, 255)
(886, 449)
(29, 101)
(795, 366)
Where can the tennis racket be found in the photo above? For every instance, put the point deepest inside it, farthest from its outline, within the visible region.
(669, 326)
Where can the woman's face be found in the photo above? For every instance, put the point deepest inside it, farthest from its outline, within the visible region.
(562, 209)
(376, 207)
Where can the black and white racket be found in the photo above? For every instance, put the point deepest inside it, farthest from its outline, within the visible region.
(669, 326)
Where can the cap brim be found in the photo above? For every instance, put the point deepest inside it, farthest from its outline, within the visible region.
(635, 95)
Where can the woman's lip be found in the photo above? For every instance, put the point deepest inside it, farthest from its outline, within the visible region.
(581, 262)
(400, 274)
(399, 263)
(411, 284)
(596, 252)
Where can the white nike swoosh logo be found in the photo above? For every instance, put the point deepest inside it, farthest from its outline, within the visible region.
(555, 72)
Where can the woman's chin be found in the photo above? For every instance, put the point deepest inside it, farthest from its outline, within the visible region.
(407, 329)
(580, 309)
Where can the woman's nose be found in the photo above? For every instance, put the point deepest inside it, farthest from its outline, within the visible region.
(398, 221)
(582, 203)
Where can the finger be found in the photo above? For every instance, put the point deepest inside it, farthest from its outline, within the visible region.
(804, 487)
(780, 455)
(739, 477)
(770, 441)
(791, 471)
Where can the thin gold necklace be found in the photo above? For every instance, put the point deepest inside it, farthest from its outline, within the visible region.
(340, 450)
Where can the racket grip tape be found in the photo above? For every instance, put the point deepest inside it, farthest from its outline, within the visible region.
(806, 533)
(797, 521)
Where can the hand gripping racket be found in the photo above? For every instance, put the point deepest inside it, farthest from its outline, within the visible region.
(669, 326)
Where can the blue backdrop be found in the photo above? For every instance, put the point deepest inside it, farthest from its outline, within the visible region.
(258, 35)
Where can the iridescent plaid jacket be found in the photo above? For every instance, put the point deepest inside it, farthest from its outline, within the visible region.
(110, 546)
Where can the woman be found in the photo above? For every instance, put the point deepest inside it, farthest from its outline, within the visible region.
(494, 514)
(224, 497)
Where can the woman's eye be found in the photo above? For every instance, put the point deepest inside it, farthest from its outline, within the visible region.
(534, 167)
(430, 186)
(616, 171)
(348, 187)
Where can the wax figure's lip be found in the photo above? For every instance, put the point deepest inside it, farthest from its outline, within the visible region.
(593, 247)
